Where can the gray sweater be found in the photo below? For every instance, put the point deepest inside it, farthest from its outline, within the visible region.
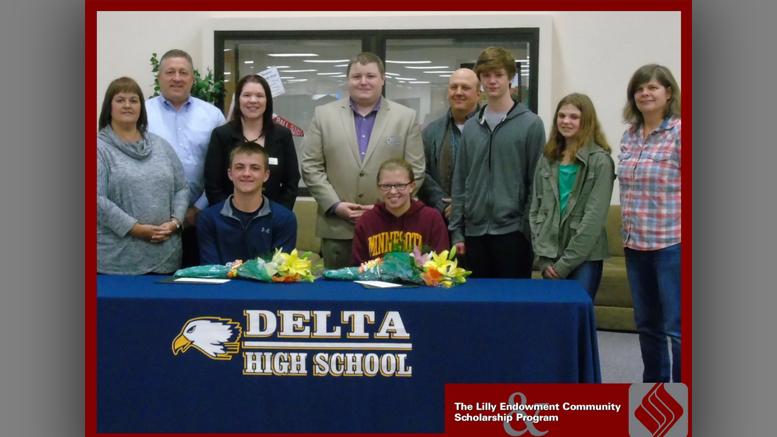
(138, 182)
(493, 176)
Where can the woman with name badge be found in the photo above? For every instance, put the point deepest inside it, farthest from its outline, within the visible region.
(253, 122)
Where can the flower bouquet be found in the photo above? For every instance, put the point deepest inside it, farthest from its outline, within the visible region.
(440, 270)
(429, 269)
(283, 267)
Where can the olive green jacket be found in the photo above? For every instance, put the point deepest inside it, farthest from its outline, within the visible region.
(565, 241)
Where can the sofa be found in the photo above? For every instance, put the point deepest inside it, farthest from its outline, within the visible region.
(614, 306)
(306, 208)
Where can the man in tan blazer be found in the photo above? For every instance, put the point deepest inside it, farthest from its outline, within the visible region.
(345, 145)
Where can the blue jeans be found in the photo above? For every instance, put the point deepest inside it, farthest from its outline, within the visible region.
(654, 277)
(589, 273)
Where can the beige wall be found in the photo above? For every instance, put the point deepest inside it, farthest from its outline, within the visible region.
(590, 52)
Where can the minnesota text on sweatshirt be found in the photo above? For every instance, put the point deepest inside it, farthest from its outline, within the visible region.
(378, 232)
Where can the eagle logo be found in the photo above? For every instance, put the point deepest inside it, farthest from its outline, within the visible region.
(215, 337)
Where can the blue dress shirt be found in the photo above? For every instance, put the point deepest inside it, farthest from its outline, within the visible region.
(188, 131)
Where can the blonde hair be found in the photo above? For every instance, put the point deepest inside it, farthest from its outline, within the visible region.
(396, 164)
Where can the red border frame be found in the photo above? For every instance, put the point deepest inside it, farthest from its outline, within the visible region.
(94, 6)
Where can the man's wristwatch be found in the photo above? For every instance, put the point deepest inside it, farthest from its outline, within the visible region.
(178, 225)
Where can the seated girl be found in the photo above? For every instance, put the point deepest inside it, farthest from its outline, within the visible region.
(398, 223)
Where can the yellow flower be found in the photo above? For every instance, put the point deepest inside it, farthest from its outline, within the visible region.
(438, 262)
(292, 264)
(453, 270)
(444, 271)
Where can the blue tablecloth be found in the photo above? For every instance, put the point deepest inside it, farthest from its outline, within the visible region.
(485, 331)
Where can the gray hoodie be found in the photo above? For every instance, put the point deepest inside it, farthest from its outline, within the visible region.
(493, 175)
(137, 182)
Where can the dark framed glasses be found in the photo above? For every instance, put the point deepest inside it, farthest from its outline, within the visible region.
(388, 187)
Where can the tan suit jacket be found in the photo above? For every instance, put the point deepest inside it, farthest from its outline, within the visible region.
(333, 170)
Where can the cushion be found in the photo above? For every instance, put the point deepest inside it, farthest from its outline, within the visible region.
(613, 229)
(306, 208)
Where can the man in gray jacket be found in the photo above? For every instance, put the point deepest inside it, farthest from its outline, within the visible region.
(493, 175)
(442, 137)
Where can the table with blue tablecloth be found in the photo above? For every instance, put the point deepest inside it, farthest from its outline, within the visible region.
(328, 356)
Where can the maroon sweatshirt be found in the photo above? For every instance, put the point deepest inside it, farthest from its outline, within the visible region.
(378, 232)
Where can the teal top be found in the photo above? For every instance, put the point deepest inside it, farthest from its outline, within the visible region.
(566, 181)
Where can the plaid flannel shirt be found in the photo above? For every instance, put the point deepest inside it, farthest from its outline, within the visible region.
(649, 177)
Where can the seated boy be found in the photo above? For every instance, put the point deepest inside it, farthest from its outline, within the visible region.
(247, 224)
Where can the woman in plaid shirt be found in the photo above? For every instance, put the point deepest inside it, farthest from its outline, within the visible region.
(649, 177)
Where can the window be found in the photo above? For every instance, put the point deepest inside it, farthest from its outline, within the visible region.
(312, 65)
(418, 66)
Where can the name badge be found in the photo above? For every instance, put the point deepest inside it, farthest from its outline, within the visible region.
(393, 140)
(273, 161)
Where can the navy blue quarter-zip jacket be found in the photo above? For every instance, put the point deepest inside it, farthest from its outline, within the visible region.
(222, 237)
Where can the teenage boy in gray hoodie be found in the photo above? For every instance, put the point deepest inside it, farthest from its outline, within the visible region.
(492, 179)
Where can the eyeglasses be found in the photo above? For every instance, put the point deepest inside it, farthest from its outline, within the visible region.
(388, 187)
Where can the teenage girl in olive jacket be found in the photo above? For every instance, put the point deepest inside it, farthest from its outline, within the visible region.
(571, 196)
